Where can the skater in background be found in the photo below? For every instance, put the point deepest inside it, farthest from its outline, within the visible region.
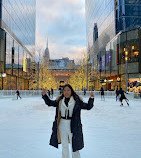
(60, 90)
(52, 92)
(67, 127)
(84, 91)
(121, 92)
(48, 92)
(102, 93)
(117, 94)
(18, 94)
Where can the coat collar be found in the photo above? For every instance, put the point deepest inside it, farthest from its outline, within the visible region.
(70, 103)
(76, 102)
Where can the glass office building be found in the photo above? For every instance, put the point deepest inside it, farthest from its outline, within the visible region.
(100, 12)
(128, 14)
(113, 28)
(17, 41)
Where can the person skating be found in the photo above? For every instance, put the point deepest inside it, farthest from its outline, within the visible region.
(117, 94)
(84, 91)
(48, 92)
(67, 122)
(52, 92)
(18, 94)
(121, 92)
(60, 90)
(102, 93)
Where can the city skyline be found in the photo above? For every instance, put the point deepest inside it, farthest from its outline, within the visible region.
(65, 29)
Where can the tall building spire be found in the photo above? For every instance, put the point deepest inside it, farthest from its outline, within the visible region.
(46, 54)
(47, 42)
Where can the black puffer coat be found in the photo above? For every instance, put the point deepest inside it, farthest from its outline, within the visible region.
(121, 92)
(76, 126)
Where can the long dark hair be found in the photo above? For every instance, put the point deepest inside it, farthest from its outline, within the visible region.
(73, 93)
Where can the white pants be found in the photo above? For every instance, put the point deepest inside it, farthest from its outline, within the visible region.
(65, 132)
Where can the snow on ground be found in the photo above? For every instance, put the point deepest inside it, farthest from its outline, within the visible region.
(110, 131)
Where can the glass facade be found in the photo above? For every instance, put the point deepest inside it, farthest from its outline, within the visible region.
(128, 14)
(19, 17)
(14, 65)
(102, 13)
(111, 17)
(100, 26)
(17, 40)
(112, 30)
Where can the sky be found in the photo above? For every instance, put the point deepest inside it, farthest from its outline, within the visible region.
(62, 22)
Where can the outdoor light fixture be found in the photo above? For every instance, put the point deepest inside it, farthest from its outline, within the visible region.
(124, 49)
(133, 47)
(136, 53)
(126, 53)
(126, 58)
(118, 79)
(2, 74)
(126, 67)
(105, 80)
(111, 80)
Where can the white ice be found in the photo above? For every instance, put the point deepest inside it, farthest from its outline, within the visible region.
(110, 131)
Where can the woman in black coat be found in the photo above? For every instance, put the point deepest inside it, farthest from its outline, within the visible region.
(67, 125)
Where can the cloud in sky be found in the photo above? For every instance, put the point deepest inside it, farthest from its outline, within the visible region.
(63, 23)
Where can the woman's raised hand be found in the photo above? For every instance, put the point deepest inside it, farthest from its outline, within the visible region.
(44, 91)
(91, 94)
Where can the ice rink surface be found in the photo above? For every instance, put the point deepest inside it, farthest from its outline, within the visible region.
(110, 131)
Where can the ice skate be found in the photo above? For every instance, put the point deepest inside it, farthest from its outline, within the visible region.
(121, 104)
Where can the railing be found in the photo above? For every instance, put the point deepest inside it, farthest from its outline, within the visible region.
(22, 92)
(28, 93)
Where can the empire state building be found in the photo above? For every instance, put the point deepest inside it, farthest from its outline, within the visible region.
(46, 56)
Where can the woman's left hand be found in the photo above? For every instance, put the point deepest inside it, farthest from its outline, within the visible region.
(91, 94)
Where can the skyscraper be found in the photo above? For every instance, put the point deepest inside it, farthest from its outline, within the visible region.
(113, 32)
(127, 14)
(46, 56)
(17, 41)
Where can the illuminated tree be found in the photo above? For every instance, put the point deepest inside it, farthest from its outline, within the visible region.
(46, 79)
(79, 79)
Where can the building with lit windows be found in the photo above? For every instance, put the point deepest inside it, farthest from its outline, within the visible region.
(114, 42)
(61, 69)
(17, 42)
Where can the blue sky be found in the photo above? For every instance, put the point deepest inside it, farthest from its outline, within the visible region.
(63, 23)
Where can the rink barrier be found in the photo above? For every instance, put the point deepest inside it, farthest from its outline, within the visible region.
(28, 93)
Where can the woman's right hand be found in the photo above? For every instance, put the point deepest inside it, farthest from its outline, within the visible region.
(44, 92)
